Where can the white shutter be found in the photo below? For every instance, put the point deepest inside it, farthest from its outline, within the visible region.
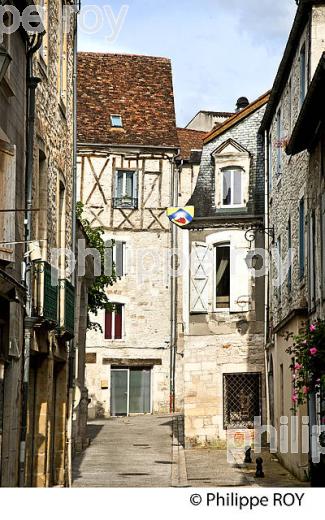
(200, 271)
(240, 286)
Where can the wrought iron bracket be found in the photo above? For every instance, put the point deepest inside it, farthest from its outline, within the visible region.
(251, 233)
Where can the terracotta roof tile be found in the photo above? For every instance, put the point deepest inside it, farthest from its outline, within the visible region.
(139, 88)
(190, 140)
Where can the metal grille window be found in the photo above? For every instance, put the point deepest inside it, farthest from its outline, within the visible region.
(241, 399)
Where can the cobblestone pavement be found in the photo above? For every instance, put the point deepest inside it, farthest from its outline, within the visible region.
(126, 452)
(209, 468)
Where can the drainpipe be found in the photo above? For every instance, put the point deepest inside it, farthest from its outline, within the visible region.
(267, 276)
(32, 83)
(173, 284)
(72, 357)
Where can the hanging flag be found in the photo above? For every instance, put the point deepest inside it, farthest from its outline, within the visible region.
(181, 216)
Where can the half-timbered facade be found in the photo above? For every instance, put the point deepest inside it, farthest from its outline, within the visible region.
(127, 142)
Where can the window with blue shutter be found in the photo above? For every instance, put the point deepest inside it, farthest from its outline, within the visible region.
(302, 238)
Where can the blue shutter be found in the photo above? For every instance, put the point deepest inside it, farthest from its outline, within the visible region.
(301, 238)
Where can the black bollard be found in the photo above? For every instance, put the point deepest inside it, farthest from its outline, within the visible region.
(259, 468)
(248, 456)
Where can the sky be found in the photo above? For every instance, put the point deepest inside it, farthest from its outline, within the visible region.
(220, 49)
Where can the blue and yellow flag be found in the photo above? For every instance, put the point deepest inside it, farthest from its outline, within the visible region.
(181, 216)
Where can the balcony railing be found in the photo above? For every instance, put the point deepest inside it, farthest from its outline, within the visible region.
(125, 203)
(66, 308)
(45, 293)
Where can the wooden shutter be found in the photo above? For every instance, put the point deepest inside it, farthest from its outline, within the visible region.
(240, 287)
(15, 330)
(118, 322)
(200, 267)
(108, 324)
(119, 258)
(7, 201)
(108, 258)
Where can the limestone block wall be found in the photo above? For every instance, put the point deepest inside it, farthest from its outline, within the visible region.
(217, 343)
(289, 185)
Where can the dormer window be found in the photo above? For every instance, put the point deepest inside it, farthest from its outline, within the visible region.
(232, 187)
(116, 121)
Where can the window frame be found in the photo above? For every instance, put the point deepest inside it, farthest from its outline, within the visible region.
(232, 170)
(279, 133)
(289, 278)
(113, 313)
(112, 116)
(302, 74)
(216, 246)
(301, 234)
(134, 199)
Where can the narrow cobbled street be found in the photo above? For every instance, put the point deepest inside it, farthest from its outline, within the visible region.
(145, 451)
(127, 452)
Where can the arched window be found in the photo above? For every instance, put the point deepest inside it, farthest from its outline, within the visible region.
(232, 189)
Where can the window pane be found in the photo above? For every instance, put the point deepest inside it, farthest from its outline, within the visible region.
(237, 187)
(108, 325)
(227, 188)
(129, 185)
(119, 185)
(223, 277)
(140, 391)
(116, 121)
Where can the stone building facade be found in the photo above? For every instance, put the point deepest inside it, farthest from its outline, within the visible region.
(12, 291)
(50, 328)
(294, 187)
(222, 321)
(36, 218)
(127, 145)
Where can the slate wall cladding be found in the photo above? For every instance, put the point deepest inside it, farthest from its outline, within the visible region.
(245, 133)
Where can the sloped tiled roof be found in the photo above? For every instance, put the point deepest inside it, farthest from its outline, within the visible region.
(236, 118)
(138, 88)
(190, 140)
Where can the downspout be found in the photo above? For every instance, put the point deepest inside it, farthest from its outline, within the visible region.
(173, 285)
(267, 266)
(31, 83)
(72, 346)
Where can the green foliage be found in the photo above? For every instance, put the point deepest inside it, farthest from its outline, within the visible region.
(97, 294)
(308, 367)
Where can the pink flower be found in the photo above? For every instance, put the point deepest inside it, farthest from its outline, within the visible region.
(298, 366)
(305, 342)
(305, 390)
(294, 398)
(313, 351)
(312, 328)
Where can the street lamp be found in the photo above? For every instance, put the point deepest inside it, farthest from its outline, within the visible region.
(5, 60)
